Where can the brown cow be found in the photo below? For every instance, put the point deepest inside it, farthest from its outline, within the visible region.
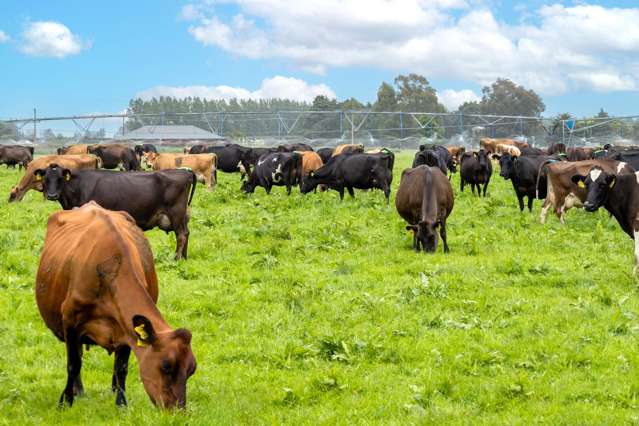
(563, 193)
(96, 285)
(456, 152)
(490, 144)
(203, 165)
(579, 154)
(509, 149)
(425, 199)
(115, 156)
(73, 149)
(348, 149)
(311, 161)
(30, 181)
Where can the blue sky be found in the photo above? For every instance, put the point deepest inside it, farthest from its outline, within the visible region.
(72, 57)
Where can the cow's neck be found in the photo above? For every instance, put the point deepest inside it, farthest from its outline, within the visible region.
(623, 202)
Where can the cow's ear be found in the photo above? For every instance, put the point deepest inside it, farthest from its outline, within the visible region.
(612, 180)
(39, 174)
(66, 173)
(411, 228)
(143, 330)
(579, 180)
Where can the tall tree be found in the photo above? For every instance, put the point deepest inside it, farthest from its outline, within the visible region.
(415, 94)
(504, 97)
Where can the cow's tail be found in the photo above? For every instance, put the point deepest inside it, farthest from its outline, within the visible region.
(193, 185)
(541, 167)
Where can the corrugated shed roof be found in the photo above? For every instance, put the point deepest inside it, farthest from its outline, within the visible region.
(169, 133)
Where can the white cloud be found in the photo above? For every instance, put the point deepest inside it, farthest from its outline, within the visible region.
(51, 39)
(190, 12)
(271, 88)
(452, 99)
(568, 48)
(4, 37)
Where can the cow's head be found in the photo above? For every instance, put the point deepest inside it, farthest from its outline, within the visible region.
(53, 179)
(187, 149)
(95, 149)
(148, 158)
(598, 183)
(166, 362)
(248, 186)
(425, 234)
(483, 157)
(309, 183)
(506, 164)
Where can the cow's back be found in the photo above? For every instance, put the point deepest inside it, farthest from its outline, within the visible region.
(80, 246)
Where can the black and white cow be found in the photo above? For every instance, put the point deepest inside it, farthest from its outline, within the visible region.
(619, 194)
(275, 169)
(348, 171)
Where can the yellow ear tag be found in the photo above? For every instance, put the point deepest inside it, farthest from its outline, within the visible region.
(581, 184)
(142, 335)
(68, 177)
(38, 177)
(613, 183)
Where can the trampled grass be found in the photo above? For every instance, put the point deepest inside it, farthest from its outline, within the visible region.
(307, 310)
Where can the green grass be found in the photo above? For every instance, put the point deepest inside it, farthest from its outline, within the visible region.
(308, 310)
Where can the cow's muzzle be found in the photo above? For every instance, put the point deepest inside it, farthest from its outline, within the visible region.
(52, 197)
(589, 207)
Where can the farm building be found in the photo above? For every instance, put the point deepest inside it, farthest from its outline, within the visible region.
(170, 134)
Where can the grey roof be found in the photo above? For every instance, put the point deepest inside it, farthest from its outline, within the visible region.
(169, 133)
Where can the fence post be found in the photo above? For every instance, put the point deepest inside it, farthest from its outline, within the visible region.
(401, 125)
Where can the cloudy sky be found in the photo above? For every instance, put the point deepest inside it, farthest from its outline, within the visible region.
(69, 57)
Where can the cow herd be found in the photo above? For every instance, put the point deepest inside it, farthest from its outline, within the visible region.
(96, 283)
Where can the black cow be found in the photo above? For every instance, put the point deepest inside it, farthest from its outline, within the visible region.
(16, 154)
(254, 154)
(619, 194)
(529, 151)
(116, 156)
(361, 171)
(157, 199)
(275, 169)
(231, 158)
(475, 170)
(630, 156)
(290, 147)
(325, 154)
(523, 172)
(145, 147)
(435, 156)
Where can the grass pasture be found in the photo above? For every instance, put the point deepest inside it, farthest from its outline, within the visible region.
(307, 310)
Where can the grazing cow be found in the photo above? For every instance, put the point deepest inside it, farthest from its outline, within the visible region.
(521, 144)
(529, 151)
(325, 154)
(158, 199)
(145, 147)
(203, 165)
(115, 156)
(254, 154)
(231, 158)
(490, 144)
(311, 161)
(475, 170)
(30, 181)
(562, 193)
(77, 149)
(348, 171)
(96, 285)
(276, 169)
(425, 199)
(617, 194)
(523, 174)
(510, 149)
(16, 154)
(579, 154)
(348, 149)
(290, 147)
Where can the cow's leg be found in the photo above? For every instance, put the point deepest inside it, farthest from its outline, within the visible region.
(486, 186)
(181, 236)
(472, 188)
(288, 189)
(415, 242)
(120, 370)
(350, 191)
(544, 211)
(520, 198)
(340, 189)
(530, 203)
(442, 232)
(386, 190)
(461, 185)
(74, 365)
